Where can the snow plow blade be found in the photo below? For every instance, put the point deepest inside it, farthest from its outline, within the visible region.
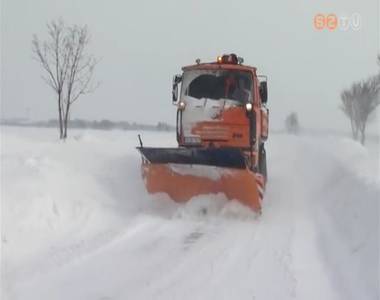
(183, 173)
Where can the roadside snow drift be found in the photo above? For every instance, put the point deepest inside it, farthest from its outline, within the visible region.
(77, 223)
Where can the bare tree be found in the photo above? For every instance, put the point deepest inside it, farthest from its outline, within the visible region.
(52, 55)
(292, 123)
(349, 109)
(359, 102)
(67, 66)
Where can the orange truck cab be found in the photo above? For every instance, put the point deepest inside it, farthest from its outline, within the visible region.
(223, 104)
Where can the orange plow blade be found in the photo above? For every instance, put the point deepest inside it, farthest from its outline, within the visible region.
(182, 182)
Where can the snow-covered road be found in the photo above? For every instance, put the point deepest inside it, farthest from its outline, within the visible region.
(78, 224)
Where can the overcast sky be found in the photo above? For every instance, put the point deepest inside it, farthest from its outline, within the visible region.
(143, 43)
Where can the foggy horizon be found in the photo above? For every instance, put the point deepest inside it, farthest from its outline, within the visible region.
(142, 45)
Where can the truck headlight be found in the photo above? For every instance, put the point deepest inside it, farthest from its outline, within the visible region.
(248, 106)
(181, 105)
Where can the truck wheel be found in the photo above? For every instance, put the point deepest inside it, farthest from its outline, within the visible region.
(263, 162)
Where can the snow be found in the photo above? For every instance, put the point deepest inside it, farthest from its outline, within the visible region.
(77, 223)
(213, 173)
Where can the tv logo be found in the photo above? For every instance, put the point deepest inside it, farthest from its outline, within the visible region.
(332, 22)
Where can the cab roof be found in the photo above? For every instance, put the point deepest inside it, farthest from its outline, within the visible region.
(220, 66)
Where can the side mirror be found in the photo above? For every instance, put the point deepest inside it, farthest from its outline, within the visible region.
(263, 89)
(176, 80)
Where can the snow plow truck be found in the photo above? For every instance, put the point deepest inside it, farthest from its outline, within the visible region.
(221, 128)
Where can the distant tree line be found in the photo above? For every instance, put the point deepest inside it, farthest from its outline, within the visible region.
(359, 102)
(86, 124)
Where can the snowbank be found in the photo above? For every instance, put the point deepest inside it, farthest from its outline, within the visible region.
(77, 223)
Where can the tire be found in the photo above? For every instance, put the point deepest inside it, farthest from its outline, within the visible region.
(263, 162)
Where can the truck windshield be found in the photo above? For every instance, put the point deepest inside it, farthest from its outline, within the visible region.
(217, 84)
